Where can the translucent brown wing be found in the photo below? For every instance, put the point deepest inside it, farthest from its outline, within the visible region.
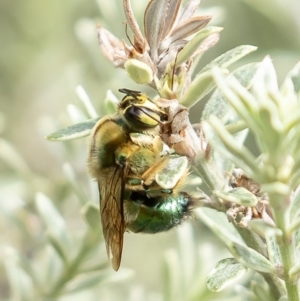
(111, 189)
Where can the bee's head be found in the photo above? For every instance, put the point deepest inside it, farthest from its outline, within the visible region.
(139, 111)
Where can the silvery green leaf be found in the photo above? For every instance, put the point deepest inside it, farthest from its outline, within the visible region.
(74, 183)
(12, 158)
(273, 251)
(239, 195)
(261, 290)
(83, 96)
(294, 207)
(172, 274)
(75, 113)
(294, 76)
(87, 280)
(218, 104)
(294, 273)
(238, 96)
(58, 245)
(265, 79)
(74, 131)
(264, 228)
(138, 71)
(111, 102)
(250, 258)
(244, 293)
(219, 224)
(197, 89)
(54, 222)
(54, 266)
(230, 57)
(91, 215)
(291, 86)
(228, 146)
(20, 283)
(188, 252)
(224, 274)
(172, 173)
(193, 45)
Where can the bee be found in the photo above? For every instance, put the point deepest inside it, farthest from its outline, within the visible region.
(138, 185)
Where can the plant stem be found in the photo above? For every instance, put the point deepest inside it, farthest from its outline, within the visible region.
(286, 244)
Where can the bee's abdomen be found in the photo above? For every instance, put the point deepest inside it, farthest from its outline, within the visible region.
(160, 213)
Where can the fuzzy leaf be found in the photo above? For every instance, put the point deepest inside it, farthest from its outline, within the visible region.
(172, 274)
(295, 204)
(20, 283)
(83, 96)
(195, 43)
(294, 272)
(264, 228)
(273, 250)
(226, 271)
(219, 224)
(138, 71)
(239, 195)
(261, 290)
(198, 88)
(230, 57)
(55, 223)
(86, 281)
(74, 131)
(251, 258)
(111, 102)
(265, 79)
(218, 104)
(228, 146)
(294, 75)
(91, 215)
(169, 176)
(58, 246)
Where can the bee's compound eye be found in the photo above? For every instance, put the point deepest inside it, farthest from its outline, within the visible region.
(140, 116)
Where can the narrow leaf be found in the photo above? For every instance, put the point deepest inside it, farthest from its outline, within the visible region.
(294, 209)
(294, 273)
(273, 251)
(91, 215)
(218, 104)
(189, 49)
(239, 195)
(20, 283)
(86, 281)
(74, 131)
(230, 57)
(53, 220)
(264, 228)
(219, 224)
(250, 258)
(83, 96)
(226, 272)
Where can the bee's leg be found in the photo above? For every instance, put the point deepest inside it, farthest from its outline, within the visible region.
(149, 175)
(123, 153)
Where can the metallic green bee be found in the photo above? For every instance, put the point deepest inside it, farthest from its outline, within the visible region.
(138, 185)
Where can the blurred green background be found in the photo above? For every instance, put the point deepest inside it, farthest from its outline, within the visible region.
(49, 48)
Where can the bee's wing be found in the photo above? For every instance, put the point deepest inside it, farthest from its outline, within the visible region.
(112, 215)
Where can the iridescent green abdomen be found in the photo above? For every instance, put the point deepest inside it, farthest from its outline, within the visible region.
(156, 214)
